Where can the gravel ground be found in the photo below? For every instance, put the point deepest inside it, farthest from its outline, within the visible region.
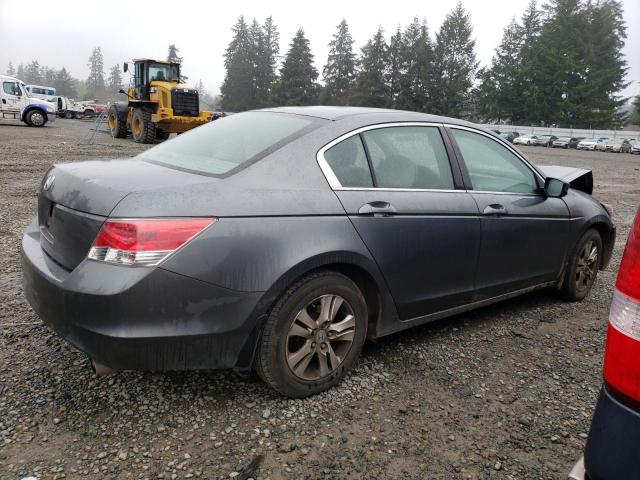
(504, 392)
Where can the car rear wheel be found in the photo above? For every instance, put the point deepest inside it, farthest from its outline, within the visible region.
(583, 267)
(313, 335)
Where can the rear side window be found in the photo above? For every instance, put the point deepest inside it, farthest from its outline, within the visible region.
(348, 161)
(223, 145)
(491, 166)
(409, 157)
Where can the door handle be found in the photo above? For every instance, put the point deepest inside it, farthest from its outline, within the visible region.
(382, 209)
(494, 209)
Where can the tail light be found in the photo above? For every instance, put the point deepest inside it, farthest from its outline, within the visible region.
(144, 242)
(622, 352)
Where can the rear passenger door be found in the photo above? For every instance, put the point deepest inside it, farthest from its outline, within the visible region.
(524, 232)
(409, 206)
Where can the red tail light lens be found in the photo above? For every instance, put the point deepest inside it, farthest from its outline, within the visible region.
(144, 242)
(622, 352)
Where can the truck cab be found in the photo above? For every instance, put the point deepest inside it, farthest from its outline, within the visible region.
(43, 93)
(16, 103)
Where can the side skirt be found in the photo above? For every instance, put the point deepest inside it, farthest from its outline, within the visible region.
(413, 322)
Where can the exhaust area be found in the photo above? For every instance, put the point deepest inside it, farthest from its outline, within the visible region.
(100, 369)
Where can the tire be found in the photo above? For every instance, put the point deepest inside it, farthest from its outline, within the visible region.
(279, 346)
(88, 111)
(68, 115)
(582, 270)
(142, 129)
(161, 134)
(117, 125)
(35, 118)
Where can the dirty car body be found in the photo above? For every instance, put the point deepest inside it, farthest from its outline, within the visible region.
(419, 249)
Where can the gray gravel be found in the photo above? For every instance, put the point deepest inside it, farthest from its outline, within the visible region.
(505, 392)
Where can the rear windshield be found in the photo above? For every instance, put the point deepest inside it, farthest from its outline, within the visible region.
(221, 146)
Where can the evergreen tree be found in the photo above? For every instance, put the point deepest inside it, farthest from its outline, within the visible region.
(20, 72)
(531, 99)
(237, 88)
(579, 67)
(372, 88)
(114, 83)
(606, 66)
(65, 84)
(395, 67)
(48, 76)
(10, 70)
(172, 56)
(95, 81)
(266, 46)
(32, 73)
(455, 64)
(499, 93)
(340, 71)
(297, 84)
(634, 118)
(416, 77)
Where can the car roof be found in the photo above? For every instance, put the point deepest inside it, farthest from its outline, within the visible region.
(338, 113)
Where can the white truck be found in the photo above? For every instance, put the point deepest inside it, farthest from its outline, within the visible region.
(43, 93)
(17, 104)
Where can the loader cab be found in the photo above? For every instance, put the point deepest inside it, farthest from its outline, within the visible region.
(147, 71)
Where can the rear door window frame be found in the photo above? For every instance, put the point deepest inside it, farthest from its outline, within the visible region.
(335, 184)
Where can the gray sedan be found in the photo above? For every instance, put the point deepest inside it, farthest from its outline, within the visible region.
(279, 240)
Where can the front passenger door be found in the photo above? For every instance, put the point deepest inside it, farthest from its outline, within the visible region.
(524, 232)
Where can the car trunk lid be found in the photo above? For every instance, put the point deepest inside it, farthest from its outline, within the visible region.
(76, 198)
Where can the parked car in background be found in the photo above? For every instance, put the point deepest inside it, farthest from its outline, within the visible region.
(618, 146)
(601, 146)
(525, 140)
(545, 140)
(635, 146)
(509, 136)
(566, 142)
(587, 144)
(170, 260)
(613, 445)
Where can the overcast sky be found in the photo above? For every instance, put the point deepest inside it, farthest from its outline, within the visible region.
(63, 32)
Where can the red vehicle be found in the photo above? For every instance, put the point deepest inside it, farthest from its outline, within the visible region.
(613, 445)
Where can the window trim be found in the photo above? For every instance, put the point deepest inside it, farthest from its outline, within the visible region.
(335, 184)
(537, 175)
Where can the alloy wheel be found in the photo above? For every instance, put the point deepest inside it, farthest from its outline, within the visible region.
(587, 265)
(320, 337)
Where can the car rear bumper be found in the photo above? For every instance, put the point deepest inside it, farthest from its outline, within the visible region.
(613, 445)
(145, 318)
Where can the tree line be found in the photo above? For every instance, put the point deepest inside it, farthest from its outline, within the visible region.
(561, 64)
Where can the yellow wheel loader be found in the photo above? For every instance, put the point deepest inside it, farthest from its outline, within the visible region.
(158, 104)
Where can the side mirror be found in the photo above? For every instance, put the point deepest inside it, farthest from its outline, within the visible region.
(556, 188)
(126, 67)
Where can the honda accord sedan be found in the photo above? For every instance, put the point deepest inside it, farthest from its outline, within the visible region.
(279, 240)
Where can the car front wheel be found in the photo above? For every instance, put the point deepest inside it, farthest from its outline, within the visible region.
(313, 335)
(583, 266)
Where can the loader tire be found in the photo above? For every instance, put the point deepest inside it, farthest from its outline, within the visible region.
(117, 125)
(161, 134)
(142, 129)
